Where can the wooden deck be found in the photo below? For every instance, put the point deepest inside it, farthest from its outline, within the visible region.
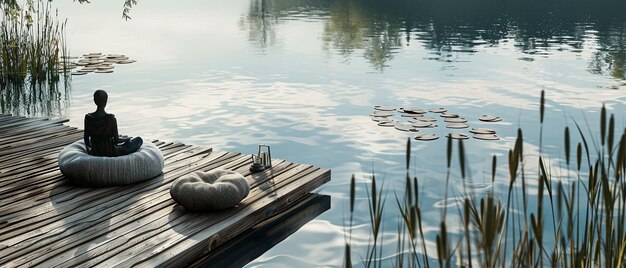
(47, 221)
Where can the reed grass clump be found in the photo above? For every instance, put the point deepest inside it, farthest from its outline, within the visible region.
(579, 219)
(32, 43)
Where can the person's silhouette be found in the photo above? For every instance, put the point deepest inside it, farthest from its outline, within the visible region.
(101, 136)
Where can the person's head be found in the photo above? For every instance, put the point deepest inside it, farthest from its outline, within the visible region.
(100, 97)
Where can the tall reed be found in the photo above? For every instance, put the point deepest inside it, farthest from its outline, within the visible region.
(32, 43)
(586, 210)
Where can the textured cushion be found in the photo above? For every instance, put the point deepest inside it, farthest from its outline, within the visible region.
(213, 190)
(101, 171)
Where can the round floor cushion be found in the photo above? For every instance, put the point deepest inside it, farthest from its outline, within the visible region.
(101, 171)
(213, 190)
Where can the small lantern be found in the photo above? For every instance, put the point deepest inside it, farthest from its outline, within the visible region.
(263, 159)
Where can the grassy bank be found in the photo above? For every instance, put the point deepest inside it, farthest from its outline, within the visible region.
(578, 219)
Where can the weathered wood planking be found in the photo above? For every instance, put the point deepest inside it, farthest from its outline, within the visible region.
(47, 221)
(239, 251)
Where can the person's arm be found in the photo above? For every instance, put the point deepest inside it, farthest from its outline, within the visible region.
(86, 137)
(116, 135)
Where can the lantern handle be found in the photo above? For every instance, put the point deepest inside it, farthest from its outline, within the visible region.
(269, 155)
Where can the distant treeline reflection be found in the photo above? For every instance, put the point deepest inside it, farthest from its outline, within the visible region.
(375, 29)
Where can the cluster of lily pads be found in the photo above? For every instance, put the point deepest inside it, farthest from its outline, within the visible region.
(417, 118)
(93, 62)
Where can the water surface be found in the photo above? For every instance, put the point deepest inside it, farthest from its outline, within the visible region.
(303, 76)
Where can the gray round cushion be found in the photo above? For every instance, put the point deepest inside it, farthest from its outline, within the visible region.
(213, 190)
(101, 171)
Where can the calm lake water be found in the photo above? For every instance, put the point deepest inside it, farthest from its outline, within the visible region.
(303, 76)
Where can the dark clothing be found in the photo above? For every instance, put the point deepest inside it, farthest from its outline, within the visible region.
(102, 138)
(129, 146)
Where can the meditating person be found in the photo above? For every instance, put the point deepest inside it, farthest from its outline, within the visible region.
(101, 136)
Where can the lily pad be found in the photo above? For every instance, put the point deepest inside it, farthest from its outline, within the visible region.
(105, 67)
(482, 131)
(457, 125)
(94, 62)
(448, 115)
(455, 120)
(118, 57)
(489, 118)
(405, 127)
(384, 108)
(426, 137)
(427, 119)
(412, 110)
(420, 124)
(438, 110)
(104, 71)
(79, 73)
(382, 113)
(458, 136)
(491, 137)
(411, 115)
(124, 61)
(380, 119)
(388, 124)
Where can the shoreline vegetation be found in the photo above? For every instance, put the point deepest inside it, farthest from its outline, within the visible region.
(33, 43)
(34, 77)
(579, 219)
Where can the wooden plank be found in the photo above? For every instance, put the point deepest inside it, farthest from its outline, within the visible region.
(32, 130)
(43, 211)
(26, 126)
(31, 134)
(193, 220)
(35, 142)
(155, 223)
(43, 190)
(85, 204)
(10, 125)
(251, 244)
(31, 157)
(183, 246)
(12, 192)
(127, 214)
(22, 162)
(21, 122)
(34, 148)
(47, 221)
(44, 164)
(12, 119)
(164, 190)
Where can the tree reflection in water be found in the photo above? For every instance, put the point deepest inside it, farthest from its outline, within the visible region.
(350, 28)
(610, 58)
(260, 22)
(378, 29)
